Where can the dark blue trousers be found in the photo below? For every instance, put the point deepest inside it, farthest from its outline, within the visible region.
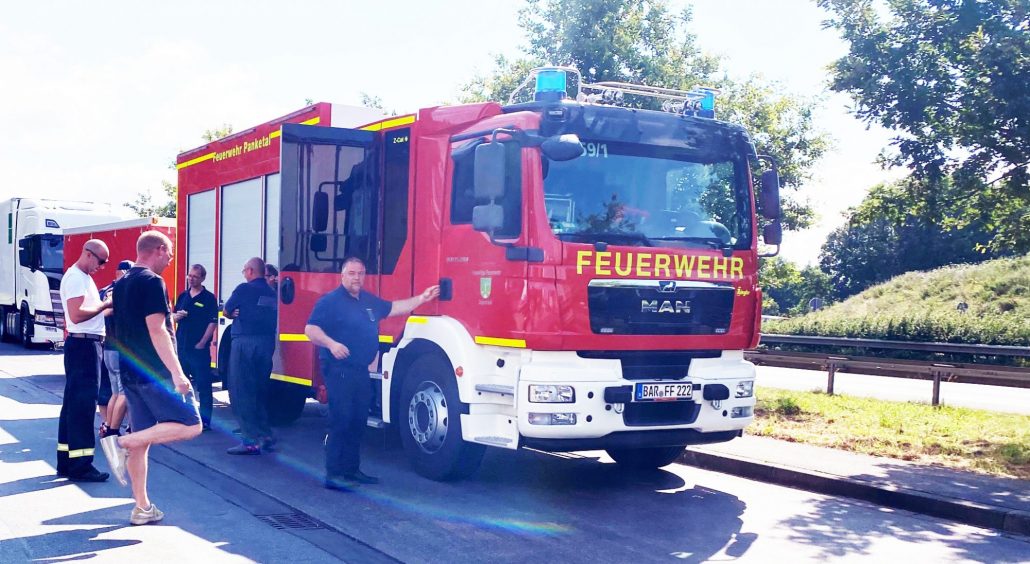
(250, 366)
(75, 439)
(350, 396)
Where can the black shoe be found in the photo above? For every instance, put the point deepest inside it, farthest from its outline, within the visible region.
(268, 444)
(361, 478)
(339, 484)
(91, 475)
(62, 473)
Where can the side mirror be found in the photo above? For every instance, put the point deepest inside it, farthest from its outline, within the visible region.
(320, 212)
(772, 233)
(488, 176)
(770, 197)
(488, 218)
(562, 147)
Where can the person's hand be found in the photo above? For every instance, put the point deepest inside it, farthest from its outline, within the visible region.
(182, 385)
(430, 294)
(199, 346)
(234, 313)
(179, 315)
(339, 351)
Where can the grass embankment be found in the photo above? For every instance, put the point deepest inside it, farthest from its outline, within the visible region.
(922, 306)
(969, 439)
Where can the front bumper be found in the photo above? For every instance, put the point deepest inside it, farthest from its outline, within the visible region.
(605, 416)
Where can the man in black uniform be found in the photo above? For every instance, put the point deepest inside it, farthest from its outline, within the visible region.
(252, 307)
(196, 313)
(345, 326)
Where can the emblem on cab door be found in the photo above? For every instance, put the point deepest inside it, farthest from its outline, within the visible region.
(485, 284)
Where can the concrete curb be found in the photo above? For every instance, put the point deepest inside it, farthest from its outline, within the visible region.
(967, 512)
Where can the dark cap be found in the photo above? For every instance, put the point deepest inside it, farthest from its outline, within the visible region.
(125, 265)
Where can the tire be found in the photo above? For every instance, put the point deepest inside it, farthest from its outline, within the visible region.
(285, 402)
(4, 333)
(645, 458)
(26, 328)
(429, 422)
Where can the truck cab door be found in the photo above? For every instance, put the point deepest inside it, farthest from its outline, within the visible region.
(328, 211)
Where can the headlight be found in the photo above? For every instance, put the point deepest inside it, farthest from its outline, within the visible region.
(44, 318)
(552, 418)
(551, 394)
(745, 389)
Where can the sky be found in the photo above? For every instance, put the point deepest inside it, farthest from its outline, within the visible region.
(99, 97)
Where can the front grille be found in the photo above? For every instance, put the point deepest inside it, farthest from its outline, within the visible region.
(652, 365)
(659, 307)
(660, 413)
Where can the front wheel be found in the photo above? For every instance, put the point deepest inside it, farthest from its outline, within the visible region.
(27, 327)
(430, 422)
(645, 458)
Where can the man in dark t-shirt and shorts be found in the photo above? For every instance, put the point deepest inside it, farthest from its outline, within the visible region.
(160, 397)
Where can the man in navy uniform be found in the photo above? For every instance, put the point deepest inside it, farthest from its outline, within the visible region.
(252, 307)
(345, 326)
(196, 316)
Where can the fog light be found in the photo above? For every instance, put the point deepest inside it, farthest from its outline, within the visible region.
(551, 394)
(740, 412)
(552, 418)
(745, 388)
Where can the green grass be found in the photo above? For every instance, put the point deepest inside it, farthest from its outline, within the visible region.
(922, 306)
(969, 439)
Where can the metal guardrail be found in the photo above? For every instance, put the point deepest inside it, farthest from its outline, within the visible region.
(985, 374)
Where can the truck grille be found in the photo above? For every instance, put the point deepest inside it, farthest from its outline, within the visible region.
(659, 307)
(660, 413)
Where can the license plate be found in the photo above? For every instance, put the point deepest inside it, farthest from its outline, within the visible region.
(663, 391)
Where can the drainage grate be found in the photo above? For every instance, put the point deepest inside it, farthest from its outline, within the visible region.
(291, 521)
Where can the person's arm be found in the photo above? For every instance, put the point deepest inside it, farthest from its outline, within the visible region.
(232, 305)
(162, 342)
(401, 307)
(79, 313)
(208, 333)
(320, 339)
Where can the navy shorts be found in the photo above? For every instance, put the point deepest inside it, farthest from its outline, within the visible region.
(151, 403)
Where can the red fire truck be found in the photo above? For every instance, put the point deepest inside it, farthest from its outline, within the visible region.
(597, 263)
(120, 237)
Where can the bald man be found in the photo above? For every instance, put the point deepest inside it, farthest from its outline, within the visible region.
(84, 321)
(252, 307)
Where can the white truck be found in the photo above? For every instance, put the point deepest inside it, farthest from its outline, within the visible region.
(32, 264)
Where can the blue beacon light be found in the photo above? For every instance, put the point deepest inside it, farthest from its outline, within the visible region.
(708, 104)
(550, 85)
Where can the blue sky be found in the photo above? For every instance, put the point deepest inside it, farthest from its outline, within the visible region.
(99, 97)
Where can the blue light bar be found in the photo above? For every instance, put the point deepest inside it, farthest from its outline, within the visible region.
(550, 84)
(708, 101)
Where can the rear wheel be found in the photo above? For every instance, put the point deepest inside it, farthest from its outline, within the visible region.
(430, 422)
(285, 402)
(4, 333)
(645, 458)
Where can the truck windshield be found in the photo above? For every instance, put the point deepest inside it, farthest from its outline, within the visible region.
(644, 195)
(51, 253)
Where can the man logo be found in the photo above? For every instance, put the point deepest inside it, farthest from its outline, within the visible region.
(667, 306)
(667, 286)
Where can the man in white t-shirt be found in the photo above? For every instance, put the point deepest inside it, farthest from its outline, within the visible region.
(82, 357)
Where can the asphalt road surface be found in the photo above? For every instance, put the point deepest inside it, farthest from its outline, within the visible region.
(522, 506)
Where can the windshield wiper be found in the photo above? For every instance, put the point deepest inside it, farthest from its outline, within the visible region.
(609, 237)
(713, 242)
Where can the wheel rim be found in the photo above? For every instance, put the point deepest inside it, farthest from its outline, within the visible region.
(26, 336)
(428, 418)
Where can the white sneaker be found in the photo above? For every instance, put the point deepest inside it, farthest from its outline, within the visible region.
(116, 456)
(144, 516)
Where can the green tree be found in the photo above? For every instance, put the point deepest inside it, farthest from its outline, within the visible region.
(951, 77)
(643, 42)
(789, 289)
(145, 206)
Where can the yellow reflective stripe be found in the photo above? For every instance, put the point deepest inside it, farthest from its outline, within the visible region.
(312, 121)
(497, 341)
(275, 134)
(80, 453)
(192, 162)
(418, 319)
(385, 338)
(62, 447)
(293, 337)
(386, 124)
(291, 379)
(213, 365)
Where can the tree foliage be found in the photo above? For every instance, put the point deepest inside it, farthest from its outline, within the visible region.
(951, 76)
(643, 42)
(788, 290)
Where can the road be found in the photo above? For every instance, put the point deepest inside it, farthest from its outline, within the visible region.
(521, 506)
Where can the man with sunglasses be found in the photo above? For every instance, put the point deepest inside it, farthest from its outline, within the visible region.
(84, 320)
